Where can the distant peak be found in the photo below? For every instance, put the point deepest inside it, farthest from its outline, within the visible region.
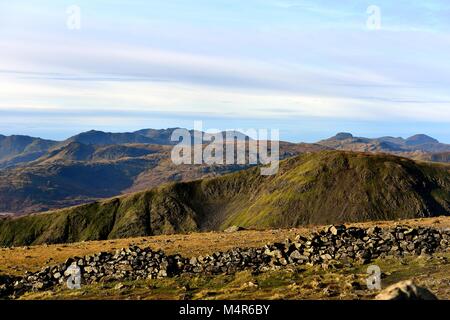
(343, 136)
(420, 139)
(93, 131)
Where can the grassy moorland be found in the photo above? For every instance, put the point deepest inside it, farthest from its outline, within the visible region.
(347, 282)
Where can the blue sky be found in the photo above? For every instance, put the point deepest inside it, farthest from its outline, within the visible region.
(308, 68)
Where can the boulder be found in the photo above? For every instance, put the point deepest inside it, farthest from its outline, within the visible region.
(405, 290)
(233, 229)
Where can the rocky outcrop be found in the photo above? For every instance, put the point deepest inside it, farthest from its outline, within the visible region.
(233, 229)
(328, 248)
(405, 290)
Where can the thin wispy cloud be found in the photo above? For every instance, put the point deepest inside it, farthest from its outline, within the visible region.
(274, 59)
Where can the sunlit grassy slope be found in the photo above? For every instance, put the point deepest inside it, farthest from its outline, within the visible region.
(316, 188)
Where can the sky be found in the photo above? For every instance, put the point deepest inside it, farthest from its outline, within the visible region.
(309, 68)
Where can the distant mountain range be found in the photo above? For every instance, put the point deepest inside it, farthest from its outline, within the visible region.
(315, 188)
(37, 174)
(419, 142)
(417, 147)
(16, 150)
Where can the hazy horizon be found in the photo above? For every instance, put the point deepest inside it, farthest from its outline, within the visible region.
(62, 138)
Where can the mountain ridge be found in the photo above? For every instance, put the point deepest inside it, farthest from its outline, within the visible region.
(418, 142)
(33, 181)
(313, 188)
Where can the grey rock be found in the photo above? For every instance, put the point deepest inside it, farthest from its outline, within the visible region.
(405, 290)
(233, 229)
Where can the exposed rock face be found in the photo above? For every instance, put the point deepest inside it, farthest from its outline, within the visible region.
(330, 247)
(405, 290)
(233, 229)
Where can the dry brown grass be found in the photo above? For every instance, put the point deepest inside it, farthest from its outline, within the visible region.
(20, 259)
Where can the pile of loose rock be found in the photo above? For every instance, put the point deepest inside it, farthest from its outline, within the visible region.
(363, 245)
(325, 248)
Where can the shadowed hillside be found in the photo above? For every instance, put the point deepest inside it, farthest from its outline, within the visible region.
(39, 175)
(316, 188)
(17, 149)
(78, 173)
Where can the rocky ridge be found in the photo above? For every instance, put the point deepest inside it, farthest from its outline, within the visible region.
(332, 247)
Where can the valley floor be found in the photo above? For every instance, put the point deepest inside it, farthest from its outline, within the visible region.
(301, 282)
